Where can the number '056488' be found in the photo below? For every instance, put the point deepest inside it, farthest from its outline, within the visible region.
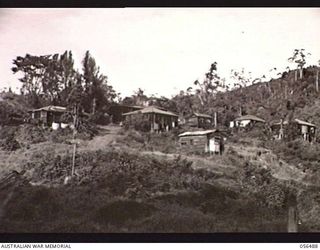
(308, 245)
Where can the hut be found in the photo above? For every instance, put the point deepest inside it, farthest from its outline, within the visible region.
(157, 119)
(304, 129)
(199, 120)
(211, 141)
(116, 112)
(307, 130)
(245, 121)
(48, 115)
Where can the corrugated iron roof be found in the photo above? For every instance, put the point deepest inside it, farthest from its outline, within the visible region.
(127, 106)
(249, 117)
(202, 115)
(304, 123)
(52, 108)
(151, 110)
(202, 132)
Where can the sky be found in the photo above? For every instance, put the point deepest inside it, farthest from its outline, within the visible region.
(161, 50)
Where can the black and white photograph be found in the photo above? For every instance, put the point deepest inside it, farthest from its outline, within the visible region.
(159, 120)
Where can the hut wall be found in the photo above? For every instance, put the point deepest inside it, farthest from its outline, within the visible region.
(194, 143)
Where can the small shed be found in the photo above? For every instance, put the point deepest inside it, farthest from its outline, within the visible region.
(203, 141)
(199, 120)
(48, 115)
(246, 120)
(158, 119)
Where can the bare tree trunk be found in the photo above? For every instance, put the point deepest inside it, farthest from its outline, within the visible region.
(301, 72)
(94, 103)
(202, 103)
(240, 111)
(286, 91)
(317, 81)
(74, 143)
(215, 119)
(295, 75)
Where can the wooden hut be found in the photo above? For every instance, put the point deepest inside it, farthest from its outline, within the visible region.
(304, 129)
(199, 120)
(246, 120)
(158, 119)
(48, 115)
(211, 141)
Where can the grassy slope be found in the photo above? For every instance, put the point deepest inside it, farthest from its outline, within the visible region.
(133, 189)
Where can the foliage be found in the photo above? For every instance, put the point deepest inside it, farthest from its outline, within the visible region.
(9, 143)
(98, 92)
(138, 122)
(299, 58)
(45, 78)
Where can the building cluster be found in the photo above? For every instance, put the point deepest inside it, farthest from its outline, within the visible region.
(204, 134)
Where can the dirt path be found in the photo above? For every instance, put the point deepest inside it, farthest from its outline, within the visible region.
(107, 134)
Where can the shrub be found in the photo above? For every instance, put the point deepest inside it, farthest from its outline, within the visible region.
(121, 211)
(10, 143)
(99, 118)
(138, 122)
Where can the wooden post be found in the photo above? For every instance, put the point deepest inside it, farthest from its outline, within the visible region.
(74, 143)
(292, 220)
(153, 121)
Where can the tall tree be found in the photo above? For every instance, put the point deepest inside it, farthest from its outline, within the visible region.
(241, 80)
(33, 70)
(299, 58)
(45, 78)
(99, 93)
(208, 88)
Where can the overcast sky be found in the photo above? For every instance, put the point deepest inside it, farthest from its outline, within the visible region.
(161, 50)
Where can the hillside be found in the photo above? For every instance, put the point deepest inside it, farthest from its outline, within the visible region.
(277, 99)
(127, 181)
(131, 181)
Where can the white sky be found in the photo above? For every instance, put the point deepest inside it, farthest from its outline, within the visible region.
(161, 50)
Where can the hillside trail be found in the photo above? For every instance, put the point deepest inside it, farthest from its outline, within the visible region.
(107, 135)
